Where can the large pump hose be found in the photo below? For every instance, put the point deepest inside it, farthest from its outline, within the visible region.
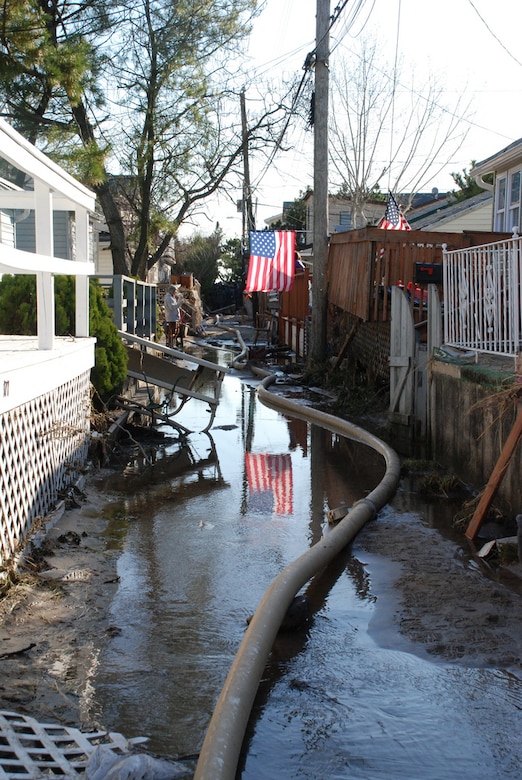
(221, 748)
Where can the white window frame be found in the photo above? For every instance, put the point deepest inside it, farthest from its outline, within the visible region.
(501, 189)
(513, 203)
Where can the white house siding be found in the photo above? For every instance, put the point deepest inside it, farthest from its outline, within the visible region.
(506, 165)
(7, 228)
(340, 214)
(103, 258)
(478, 219)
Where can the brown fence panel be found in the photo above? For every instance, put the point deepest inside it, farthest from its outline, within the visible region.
(349, 277)
(293, 311)
(294, 304)
(364, 264)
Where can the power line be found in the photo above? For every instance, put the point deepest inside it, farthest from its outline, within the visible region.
(490, 31)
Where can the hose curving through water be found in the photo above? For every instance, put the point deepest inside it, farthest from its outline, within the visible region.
(221, 747)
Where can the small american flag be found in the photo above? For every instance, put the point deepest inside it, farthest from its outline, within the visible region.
(272, 261)
(393, 218)
(271, 474)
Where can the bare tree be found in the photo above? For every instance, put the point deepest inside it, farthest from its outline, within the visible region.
(384, 131)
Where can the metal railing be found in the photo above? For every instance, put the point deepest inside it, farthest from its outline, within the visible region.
(133, 303)
(483, 297)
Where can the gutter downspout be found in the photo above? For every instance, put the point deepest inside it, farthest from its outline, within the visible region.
(484, 184)
(221, 748)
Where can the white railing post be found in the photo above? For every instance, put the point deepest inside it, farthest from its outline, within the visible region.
(43, 208)
(82, 282)
(446, 287)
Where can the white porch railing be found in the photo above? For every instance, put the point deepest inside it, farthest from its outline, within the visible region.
(483, 297)
(53, 189)
(133, 304)
(44, 381)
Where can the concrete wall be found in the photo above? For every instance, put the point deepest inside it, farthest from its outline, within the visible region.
(472, 411)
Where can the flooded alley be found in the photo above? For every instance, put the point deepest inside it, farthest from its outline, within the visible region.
(409, 663)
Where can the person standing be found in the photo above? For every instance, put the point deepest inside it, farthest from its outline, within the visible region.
(172, 305)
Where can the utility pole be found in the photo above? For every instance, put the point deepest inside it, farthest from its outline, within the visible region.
(247, 209)
(317, 352)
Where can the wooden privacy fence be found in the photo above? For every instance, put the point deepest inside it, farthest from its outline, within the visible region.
(293, 311)
(363, 265)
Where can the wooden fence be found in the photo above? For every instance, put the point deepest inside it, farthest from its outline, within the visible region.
(363, 265)
(293, 312)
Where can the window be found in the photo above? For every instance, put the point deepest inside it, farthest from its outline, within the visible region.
(500, 211)
(345, 222)
(508, 190)
(514, 201)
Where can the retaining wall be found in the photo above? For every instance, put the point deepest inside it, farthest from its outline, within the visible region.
(472, 411)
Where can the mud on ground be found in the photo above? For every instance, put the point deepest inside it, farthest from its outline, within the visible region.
(53, 622)
(441, 600)
(430, 594)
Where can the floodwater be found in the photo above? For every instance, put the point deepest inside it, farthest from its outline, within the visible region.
(201, 536)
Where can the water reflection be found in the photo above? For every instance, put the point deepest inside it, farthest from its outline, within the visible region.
(198, 551)
(181, 458)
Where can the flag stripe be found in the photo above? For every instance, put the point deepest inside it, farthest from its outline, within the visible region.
(393, 218)
(271, 473)
(272, 261)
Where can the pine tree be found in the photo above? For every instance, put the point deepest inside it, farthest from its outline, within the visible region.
(141, 85)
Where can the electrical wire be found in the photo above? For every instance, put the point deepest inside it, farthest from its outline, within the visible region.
(490, 31)
(350, 15)
(307, 67)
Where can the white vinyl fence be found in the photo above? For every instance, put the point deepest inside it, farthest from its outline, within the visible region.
(483, 297)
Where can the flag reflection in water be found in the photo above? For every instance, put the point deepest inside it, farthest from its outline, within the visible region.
(270, 476)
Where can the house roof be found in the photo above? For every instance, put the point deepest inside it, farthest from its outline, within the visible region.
(426, 219)
(418, 200)
(421, 199)
(500, 160)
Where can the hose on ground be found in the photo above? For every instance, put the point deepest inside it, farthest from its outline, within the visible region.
(221, 748)
(241, 360)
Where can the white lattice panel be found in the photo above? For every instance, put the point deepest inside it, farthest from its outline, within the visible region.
(29, 749)
(43, 443)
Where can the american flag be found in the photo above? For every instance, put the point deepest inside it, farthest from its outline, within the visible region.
(268, 473)
(272, 260)
(393, 218)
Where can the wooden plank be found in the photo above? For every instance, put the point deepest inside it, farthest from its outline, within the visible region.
(399, 384)
(402, 356)
(344, 347)
(495, 478)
